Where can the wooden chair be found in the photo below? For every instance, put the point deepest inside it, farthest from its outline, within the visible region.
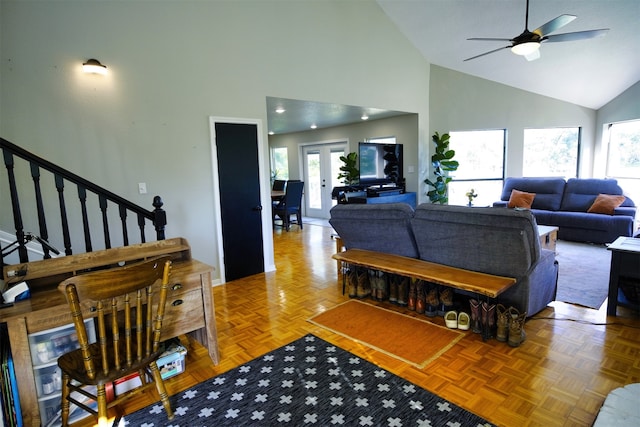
(128, 304)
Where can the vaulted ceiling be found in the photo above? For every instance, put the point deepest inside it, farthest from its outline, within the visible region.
(589, 73)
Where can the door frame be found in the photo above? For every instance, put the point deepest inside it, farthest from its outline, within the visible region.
(265, 193)
(301, 160)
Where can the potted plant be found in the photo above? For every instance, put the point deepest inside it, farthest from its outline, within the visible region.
(350, 175)
(442, 162)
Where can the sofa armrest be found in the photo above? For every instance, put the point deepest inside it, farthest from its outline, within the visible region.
(537, 288)
(500, 204)
(625, 210)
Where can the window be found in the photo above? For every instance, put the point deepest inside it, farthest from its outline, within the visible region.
(623, 157)
(279, 163)
(481, 158)
(551, 152)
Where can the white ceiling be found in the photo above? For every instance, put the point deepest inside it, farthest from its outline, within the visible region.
(589, 73)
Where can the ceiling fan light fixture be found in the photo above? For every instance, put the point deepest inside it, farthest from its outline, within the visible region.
(525, 49)
(93, 66)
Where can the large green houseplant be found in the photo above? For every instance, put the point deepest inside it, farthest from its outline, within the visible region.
(442, 162)
(349, 173)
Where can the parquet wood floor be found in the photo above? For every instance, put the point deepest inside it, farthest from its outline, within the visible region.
(558, 377)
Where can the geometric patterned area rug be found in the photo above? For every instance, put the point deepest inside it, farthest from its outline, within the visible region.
(410, 339)
(309, 382)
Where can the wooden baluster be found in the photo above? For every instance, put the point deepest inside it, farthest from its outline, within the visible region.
(42, 221)
(123, 221)
(141, 223)
(82, 195)
(63, 215)
(15, 204)
(105, 221)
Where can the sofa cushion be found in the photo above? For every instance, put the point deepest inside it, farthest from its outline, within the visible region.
(376, 227)
(548, 191)
(496, 241)
(520, 199)
(606, 204)
(579, 194)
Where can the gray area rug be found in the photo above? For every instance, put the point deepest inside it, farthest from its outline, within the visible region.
(583, 273)
(309, 382)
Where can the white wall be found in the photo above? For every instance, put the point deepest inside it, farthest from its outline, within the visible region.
(404, 128)
(172, 64)
(461, 102)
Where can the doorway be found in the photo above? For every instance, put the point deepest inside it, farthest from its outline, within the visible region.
(239, 197)
(321, 167)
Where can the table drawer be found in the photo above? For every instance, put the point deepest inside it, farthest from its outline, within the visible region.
(184, 313)
(179, 285)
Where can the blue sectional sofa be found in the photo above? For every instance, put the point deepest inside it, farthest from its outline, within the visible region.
(496, 241)
(564, 204)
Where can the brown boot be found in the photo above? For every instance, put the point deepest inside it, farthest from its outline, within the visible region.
(431, 299)
(446, 300)
(502, 322)
(420, 301)
(381, 279)
(393, 288)
(403, 291)
(352, 282)
(488, 320)
(411, 304)
(516, 327)
(364, 287)
(476, 324)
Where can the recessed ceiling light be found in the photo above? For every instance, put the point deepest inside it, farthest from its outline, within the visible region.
(313, 126)
(271, 132)
(280, 110)
(364, 116)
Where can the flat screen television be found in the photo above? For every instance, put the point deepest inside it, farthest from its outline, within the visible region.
(380, 164)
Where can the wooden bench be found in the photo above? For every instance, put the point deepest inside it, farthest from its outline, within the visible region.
(484, 284)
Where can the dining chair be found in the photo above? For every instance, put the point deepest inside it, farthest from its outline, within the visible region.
(279, 185)
(290, 204)
(128, 304)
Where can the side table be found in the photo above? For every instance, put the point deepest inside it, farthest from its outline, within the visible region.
(625, 262)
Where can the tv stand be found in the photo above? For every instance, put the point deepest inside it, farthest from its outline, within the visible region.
(386, 197)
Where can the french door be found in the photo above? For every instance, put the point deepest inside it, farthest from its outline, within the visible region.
(321, 167)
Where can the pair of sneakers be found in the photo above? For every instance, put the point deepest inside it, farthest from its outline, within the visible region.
(455, 320)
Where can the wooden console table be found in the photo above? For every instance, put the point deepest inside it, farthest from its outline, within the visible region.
(190, 308)
(625, 263)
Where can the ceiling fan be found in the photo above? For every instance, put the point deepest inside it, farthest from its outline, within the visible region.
(528, 43)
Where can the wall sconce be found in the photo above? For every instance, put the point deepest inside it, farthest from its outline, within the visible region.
(94, 66)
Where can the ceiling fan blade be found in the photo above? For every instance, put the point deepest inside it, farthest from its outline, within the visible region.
(554, 25)
(487, 53)
(533, 55)
(489, 39)
(579, 35)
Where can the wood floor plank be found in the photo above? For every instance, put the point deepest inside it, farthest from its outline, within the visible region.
(559, 376)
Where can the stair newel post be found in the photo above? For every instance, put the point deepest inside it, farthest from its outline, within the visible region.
(160, 217)
(42, 221)
(63, 215)
(15, 205)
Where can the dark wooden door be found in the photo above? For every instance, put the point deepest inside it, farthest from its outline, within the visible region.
(241, 212)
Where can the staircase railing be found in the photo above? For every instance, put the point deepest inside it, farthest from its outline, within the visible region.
(43, 195)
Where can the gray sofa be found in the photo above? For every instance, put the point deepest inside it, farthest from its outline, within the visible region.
(495, 241)
(564, 204)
